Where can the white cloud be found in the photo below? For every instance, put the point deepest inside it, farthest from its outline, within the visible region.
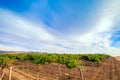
(22, 27)
(11, 48)
(19, 31)
(101, 32)
(22, 34)
(26, 34)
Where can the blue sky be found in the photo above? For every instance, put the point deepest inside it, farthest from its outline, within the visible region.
(64, 26)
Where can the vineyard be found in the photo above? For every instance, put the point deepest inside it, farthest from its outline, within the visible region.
(70, 60)
(40, 66)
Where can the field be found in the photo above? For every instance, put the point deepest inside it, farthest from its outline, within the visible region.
(34, 66)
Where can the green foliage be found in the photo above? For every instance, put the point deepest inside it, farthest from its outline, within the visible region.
(5, 61)
(70, 60)
(73, 63)
(95, 57)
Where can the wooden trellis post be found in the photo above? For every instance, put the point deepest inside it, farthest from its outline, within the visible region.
(81, 73)
(60, 70)
(93, 66)
(10, 73)
(2, 76)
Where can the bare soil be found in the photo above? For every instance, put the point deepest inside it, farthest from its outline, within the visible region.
(107, 70)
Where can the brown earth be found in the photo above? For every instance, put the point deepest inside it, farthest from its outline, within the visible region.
(108, 70)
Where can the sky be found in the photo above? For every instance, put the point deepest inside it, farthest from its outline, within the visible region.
(60, 26)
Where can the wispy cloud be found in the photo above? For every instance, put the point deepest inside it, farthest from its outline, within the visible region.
(17, 30)
(98, 38)
(23, 34)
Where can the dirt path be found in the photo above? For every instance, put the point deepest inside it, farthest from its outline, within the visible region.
(110, 70)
